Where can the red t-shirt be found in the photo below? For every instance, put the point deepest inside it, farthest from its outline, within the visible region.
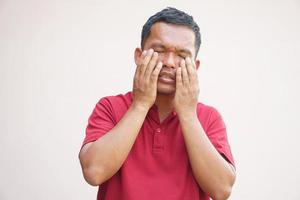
(157, 166)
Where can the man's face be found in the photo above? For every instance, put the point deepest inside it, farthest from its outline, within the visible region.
(173, 43)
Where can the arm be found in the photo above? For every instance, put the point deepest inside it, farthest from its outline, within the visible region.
(212, 172)
(101, 159)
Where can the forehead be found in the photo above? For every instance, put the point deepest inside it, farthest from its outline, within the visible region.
(171, 36)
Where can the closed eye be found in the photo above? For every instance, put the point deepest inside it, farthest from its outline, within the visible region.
(159, 50)
(182, 56)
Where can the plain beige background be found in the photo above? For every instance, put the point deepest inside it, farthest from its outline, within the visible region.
(57, 58)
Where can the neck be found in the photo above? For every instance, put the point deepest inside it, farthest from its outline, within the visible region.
(165, 105)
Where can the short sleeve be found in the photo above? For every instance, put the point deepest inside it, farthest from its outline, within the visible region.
(217, 134)
(100, 122)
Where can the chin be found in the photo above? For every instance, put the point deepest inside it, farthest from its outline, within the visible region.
(166, 89)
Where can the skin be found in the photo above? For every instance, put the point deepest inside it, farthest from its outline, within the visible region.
(165, 75)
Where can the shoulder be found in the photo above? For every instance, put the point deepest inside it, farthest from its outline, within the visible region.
(120, 100)
(116, 105)
(204, 109)
(207, 114)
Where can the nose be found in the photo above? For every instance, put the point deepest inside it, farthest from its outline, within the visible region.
(169, 60)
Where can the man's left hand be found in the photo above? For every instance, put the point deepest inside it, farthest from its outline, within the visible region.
(187, 88)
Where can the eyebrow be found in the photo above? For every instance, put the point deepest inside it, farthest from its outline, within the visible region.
(181, 50)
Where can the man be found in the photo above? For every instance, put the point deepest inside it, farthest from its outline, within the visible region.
(158, 142)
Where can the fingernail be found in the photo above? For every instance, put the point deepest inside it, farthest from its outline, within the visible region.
(182, 61)
(144, 52)
(188, 59)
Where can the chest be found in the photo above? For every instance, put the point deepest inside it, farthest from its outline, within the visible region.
(159, 147)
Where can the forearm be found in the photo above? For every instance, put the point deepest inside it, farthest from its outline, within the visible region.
(103, 158)
(212, 172)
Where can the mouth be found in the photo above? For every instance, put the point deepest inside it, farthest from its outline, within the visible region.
(166, 77)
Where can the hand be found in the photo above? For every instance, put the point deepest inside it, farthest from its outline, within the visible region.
(187, 88)
(145, 79)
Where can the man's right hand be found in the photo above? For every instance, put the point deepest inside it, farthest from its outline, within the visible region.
(145, 79)
(101, 159)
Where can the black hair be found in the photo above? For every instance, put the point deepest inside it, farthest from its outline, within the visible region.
(172, 16)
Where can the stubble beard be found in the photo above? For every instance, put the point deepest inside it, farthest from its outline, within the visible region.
(165, 91)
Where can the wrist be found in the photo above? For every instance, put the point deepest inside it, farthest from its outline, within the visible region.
(187, 115)
(140, 107)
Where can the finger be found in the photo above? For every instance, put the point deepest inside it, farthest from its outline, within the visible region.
(194, 64)
(196, 71)
(178, 78)
(151, 65)
(156, 71)
(144, 53)
(136, 75)
(145, 62)
(189, 66)
(139, 64)
(190, 69)
(137, 69)
(184, 74)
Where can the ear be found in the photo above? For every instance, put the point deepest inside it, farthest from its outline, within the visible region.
(197, 63)
(137, 55)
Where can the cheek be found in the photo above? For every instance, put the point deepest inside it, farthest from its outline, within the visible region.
(178, 60)
(162, 57)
